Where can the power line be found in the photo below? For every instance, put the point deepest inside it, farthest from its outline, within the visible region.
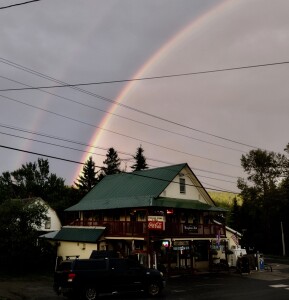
(77, 162)
(70, 148)
(114, 132)
(36, 73)
(48, 143)
(129, 119)
(91, 146)
(216, 179)
(17, 4)
(57, 138)
(149, 78)
(41, 154)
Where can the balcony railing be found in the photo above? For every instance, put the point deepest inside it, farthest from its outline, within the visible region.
(140, 229)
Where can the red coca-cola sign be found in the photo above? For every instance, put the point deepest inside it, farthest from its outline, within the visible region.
(156, 223)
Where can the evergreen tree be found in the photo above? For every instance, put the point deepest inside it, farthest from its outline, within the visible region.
(140, 160)
(112, 163)
(88, 179)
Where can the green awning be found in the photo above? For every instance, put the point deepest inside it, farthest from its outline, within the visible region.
(73, 234)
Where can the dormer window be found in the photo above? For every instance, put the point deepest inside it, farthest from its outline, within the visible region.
(182, 185)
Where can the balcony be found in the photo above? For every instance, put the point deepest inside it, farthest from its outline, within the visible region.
(140, 229)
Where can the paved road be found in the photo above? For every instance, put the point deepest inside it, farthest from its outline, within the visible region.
(258, 285)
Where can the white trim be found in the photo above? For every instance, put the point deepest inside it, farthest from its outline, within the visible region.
(123, 238)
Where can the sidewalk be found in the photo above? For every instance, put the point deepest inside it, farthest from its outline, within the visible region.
(280, 271)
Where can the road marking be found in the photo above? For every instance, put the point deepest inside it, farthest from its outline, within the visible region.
(279, 285)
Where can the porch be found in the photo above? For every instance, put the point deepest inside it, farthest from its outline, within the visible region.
(171, 229)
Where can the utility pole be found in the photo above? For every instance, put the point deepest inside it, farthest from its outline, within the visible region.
(283, 241)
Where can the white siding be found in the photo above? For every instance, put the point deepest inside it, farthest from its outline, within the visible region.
(192, 192)
(55, 223)
(83, 250)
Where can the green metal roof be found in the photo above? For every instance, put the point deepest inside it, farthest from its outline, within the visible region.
(128, 189)
(73, 234)
(138, 189)
(188, 204)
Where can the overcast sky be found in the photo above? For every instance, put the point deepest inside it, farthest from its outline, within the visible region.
(207, 120)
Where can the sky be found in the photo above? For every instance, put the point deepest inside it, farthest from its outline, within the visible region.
(214, 83)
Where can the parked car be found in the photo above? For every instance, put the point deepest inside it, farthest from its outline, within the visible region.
(87, 278)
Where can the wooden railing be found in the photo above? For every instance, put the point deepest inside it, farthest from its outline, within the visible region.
(128, 228)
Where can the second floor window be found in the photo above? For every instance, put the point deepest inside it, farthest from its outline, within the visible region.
(48, 223)
(182, 185)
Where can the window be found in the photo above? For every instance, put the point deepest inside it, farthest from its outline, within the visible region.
(90, 264)
(182, 185)
(48, 223)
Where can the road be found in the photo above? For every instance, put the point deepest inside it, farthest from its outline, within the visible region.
(258, 285)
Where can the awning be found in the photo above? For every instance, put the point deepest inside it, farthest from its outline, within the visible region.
(49, 235)
(77, 234)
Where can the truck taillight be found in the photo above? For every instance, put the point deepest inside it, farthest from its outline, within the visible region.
(71, 277)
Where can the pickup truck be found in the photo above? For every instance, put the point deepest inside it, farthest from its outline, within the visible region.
(87, 278)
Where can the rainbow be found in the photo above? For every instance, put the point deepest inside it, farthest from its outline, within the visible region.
(151, 63)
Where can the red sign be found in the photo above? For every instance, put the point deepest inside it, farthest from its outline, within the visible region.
(156, 223)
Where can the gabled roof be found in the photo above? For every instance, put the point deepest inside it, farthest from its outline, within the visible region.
(139, 189)
(128, 189)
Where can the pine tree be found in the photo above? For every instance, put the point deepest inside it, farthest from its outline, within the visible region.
(88, 179)
(112, 163)
(140, 160)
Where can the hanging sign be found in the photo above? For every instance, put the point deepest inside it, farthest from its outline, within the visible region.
(190, 228)
(181, 245)
(156, 223)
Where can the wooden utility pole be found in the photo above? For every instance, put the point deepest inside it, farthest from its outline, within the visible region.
(283, 241)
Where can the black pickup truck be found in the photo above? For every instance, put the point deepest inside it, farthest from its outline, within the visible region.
(87, 278)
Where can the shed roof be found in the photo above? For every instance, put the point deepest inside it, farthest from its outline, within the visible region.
(79, 234)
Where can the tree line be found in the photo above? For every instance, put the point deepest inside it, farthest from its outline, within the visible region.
(35, 180)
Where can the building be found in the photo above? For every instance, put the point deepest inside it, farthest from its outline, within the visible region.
(162, 216)
(52, 222)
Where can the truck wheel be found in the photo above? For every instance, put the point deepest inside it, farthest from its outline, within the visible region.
(90, 293)
(153, 289)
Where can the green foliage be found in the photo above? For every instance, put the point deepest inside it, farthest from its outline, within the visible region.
(88, 179)
(265, 199)
(232, 203)
(263, 168)
(6, 187)
(19, 221)
(35, 180)
(225, 199)
(140, 160)
(111, 163)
